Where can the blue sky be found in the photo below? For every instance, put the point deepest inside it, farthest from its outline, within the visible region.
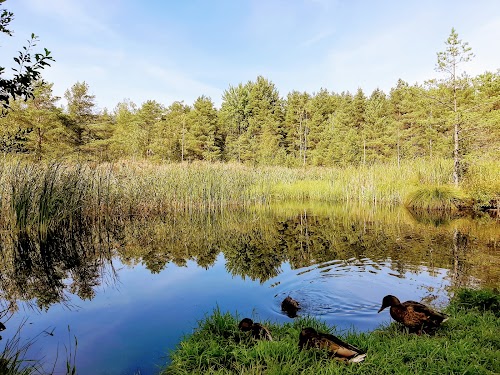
(180, 49)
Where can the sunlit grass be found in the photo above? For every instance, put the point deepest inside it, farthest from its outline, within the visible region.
(434, 198)
(43, 195)
(467, 344)
(482, 182)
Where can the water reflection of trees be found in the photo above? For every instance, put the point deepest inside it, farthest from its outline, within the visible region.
(256, 245)
(76, 259)
(41, 268)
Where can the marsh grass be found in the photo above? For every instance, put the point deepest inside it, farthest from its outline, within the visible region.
(466, 344)
(43, 196)
(482, 182)
(434, 198)
(39, 196)
(14, 359)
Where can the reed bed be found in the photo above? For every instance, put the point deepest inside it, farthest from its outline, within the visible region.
(51, 194)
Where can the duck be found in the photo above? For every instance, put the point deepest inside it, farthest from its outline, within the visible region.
(290, 307)
(340, 350)
(416, 316)
(258, 330)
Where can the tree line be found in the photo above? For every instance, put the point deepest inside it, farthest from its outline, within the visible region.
(457, 116)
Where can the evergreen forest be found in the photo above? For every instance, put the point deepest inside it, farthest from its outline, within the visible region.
(453, 117)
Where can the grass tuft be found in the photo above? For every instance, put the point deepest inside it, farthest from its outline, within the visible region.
(434, 198)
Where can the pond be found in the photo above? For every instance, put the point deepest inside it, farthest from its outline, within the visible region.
(128, 290)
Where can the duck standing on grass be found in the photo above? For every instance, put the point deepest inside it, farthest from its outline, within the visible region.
(414, 315)
(257, 329)
(290, 307)
(340, 350)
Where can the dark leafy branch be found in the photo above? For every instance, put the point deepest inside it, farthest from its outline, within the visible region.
(28, 68)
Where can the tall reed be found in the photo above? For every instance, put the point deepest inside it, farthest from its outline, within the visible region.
(46, 195)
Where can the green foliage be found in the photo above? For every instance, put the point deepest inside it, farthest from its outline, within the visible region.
(81, 113)
(41, 123)
(28, 67)
(204, 140)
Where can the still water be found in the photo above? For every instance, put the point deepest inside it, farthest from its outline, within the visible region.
(129, 290)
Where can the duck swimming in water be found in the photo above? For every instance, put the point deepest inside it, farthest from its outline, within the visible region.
(290, 307)
(258, 330)
(414, 315)
(341, 350)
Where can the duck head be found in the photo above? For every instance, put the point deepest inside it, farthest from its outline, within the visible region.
(246, 324)
(306, 335)
(389, 300)
(290, 307)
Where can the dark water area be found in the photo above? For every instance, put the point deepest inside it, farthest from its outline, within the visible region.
(129, 290)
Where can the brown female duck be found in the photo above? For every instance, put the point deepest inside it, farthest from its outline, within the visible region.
(414, 315)
(290, 307)
(340, 350)
(257, 329)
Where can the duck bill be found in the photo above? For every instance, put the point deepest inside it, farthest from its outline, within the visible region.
(383, 307)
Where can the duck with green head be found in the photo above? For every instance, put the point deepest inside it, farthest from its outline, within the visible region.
(414, 315)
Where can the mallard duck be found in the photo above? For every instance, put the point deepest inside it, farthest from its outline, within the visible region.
(414, 315)
(257, 329)
(290, 307)
(310, 338)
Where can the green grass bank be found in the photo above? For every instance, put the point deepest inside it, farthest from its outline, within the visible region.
(468, 343)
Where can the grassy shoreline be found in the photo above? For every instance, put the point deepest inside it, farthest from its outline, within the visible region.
(467, 344)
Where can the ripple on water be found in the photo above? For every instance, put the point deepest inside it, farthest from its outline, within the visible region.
(331, 288)
(350, 290)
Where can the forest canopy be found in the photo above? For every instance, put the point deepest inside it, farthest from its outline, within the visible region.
(256, 125)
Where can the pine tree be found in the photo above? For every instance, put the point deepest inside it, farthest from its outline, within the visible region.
(81, 113)
(170, 133)
(233, 121)
(449, 62)
(150, 113)
(321, 109)
(125, 139)
(265, 133)
(204, 140)
(376, 133)
(295, 126)
(39, 120)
